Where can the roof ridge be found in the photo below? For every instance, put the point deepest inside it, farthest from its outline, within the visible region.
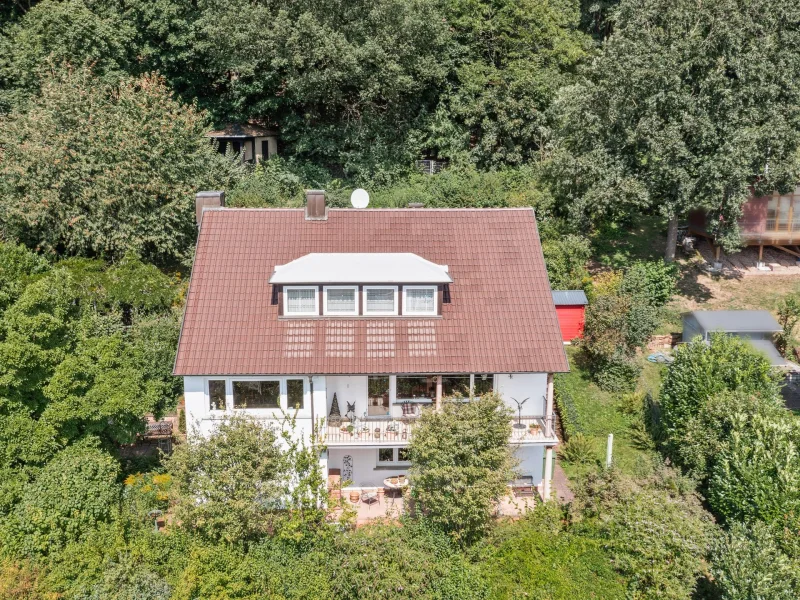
(376, 209)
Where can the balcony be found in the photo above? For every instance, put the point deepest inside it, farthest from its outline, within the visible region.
(382, 432)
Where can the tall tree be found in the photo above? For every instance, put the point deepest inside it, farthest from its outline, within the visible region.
(90, 168)
(689, 104)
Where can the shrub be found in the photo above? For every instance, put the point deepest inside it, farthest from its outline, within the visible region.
(126, 580)
(579, 449)
(616, 373)
(461, 463)
(565, 404)
(702, 370)
(653, 281)
(74, 492)
(747, 563)
(566, 258)
(271, 183)
(382, 562)
(539, 557)
(227, 486)
(757, 473)
(655, 530)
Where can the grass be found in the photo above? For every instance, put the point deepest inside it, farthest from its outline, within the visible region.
(601, 413)
(617, 246)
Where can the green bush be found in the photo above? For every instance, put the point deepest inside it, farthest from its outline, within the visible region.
(460, 465)
(568, 412)
(539, 557)
(566, 258)
(579, 449)
(616, 373)
(702, 370)
(757, 473)
(654, 281)
(270, 184)
(746, 563)
(655, 530)
(75, 492)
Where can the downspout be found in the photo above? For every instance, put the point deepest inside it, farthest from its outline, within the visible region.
(311, 389)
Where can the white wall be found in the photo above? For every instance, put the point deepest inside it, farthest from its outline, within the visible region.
(347, 389)
(520, 386)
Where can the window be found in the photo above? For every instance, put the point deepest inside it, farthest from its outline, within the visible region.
(256, 394)
(419, 300)
(416, 387)
(295, 393)
(216, 394)
(783, 212)
(484, 383)
(378, 389)
(301, 301)
(340, 301)
(393, 456)
(455, 385)
(380, 301)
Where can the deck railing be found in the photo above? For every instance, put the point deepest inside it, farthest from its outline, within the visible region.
(399, 431)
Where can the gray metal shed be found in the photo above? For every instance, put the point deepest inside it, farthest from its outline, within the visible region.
(758, 326)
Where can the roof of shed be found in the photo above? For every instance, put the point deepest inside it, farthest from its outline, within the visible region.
(768, 348)
(497, 316)
(360, 267)
(242, 130)
(569, 298)
(736, 321)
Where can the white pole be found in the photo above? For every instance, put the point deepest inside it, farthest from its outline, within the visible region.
(609, 449)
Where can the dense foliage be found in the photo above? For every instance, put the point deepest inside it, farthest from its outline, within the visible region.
(95, 169)
(686, 106)
(461, 462)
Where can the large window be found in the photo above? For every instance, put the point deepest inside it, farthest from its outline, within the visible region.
(417, 387)
(419, 300)
(378, 389)
(380, 300)
(783, 212)
(216, 394)
(256, 394)
(341, 301)
(301, 301)
(295, 393)
(455, 385)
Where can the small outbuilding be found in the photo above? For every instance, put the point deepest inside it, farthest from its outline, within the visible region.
(571, 311)
(252, 141)
(758, 326)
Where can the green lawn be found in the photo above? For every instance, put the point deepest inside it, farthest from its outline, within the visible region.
(601, 413)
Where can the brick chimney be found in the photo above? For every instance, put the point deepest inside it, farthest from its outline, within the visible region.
(315, 206)
(207, 200)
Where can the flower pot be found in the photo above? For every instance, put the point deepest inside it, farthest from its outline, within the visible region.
(354, 496)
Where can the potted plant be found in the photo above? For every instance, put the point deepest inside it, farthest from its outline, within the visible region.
(350, 429)
(534, 428)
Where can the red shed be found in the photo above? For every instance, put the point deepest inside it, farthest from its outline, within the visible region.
(571, 309)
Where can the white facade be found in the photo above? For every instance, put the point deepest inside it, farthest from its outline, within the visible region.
(358, 457)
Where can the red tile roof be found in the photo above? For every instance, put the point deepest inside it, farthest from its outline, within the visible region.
(500, 317)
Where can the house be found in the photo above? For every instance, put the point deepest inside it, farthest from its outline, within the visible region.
(362, 319)
(571, 311)
(252, 141)
(772, 220)
(758, 326)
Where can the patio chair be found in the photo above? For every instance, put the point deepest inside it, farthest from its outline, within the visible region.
(369, 493)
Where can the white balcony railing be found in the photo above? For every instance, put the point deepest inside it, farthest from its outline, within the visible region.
(393, 432)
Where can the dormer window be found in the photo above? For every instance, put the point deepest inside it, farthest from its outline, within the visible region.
(301, 301)
(340, 300)
(380, 300)
(419, 300)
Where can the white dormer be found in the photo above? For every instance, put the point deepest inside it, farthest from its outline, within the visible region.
(361, 284)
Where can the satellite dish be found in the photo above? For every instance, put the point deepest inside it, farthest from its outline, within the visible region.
(359, 198)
